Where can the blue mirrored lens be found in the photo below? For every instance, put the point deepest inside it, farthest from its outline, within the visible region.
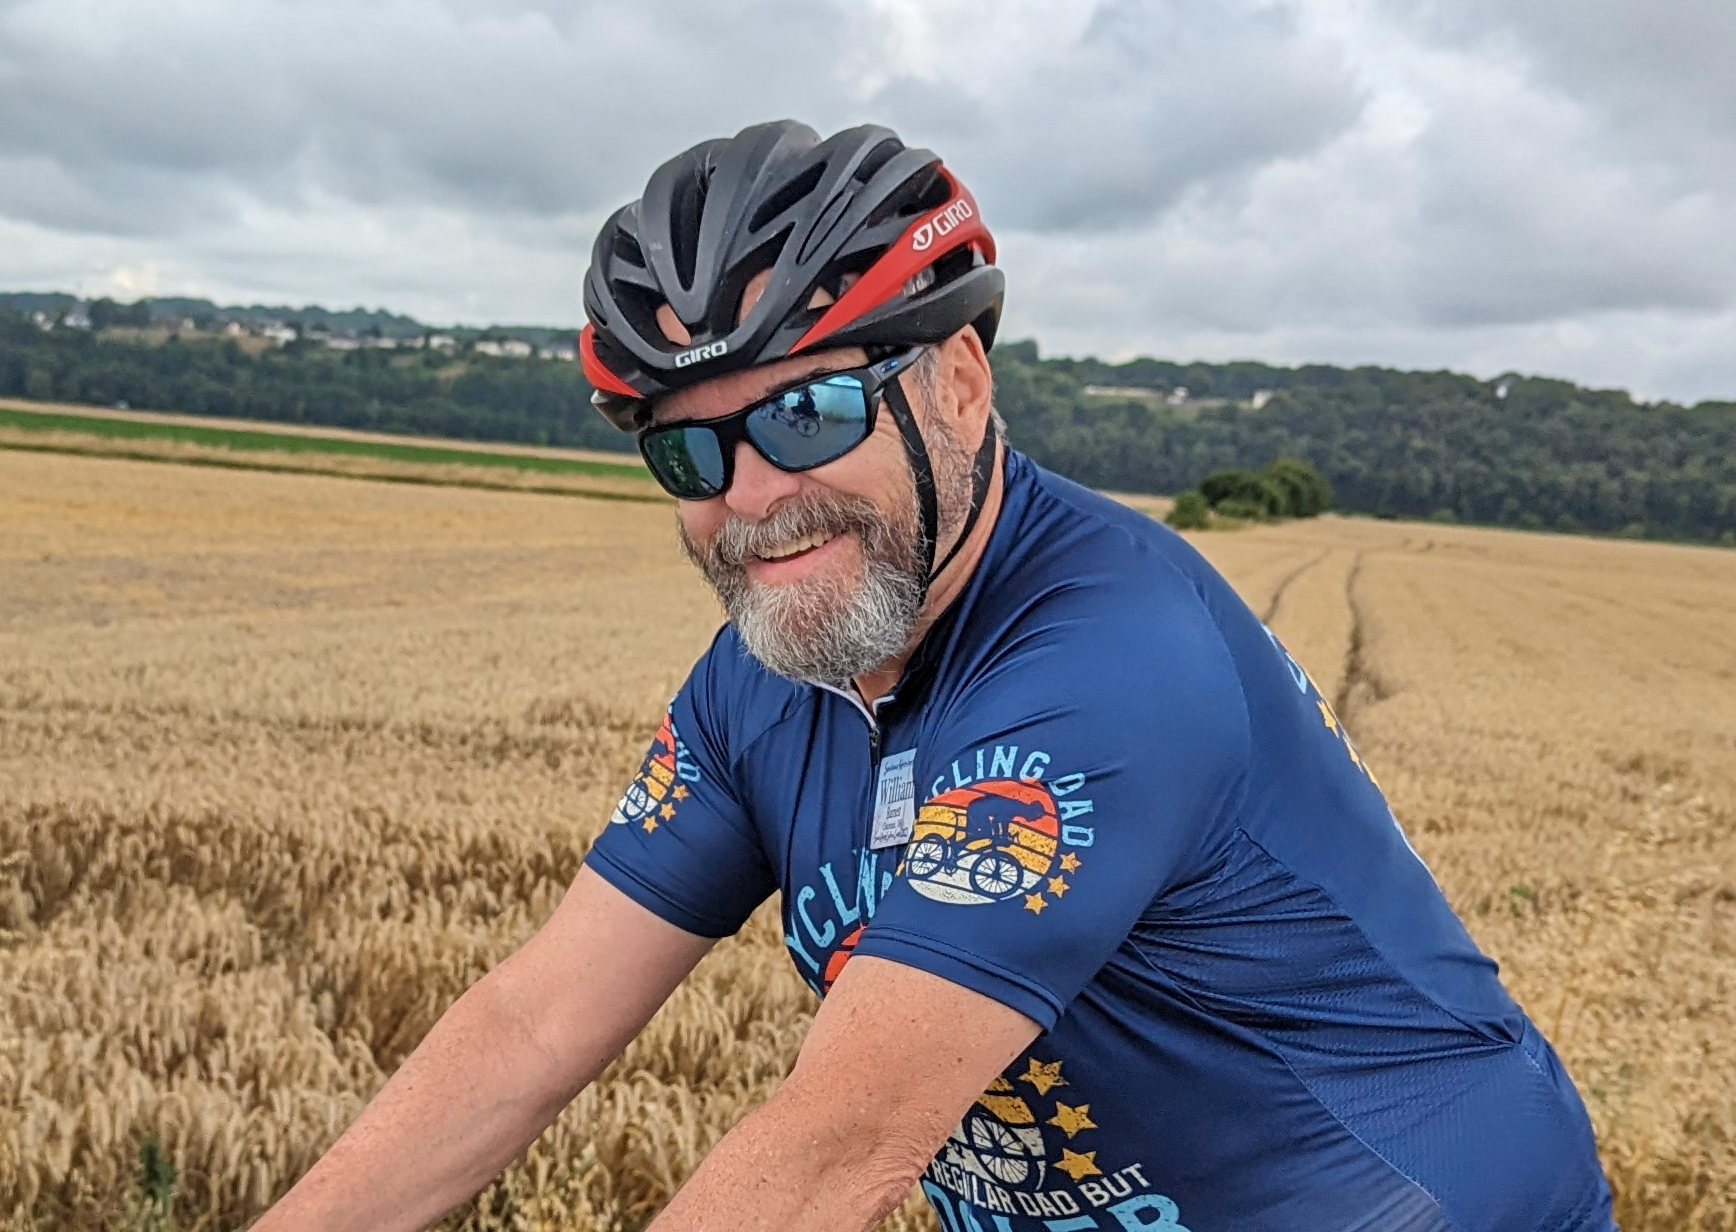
(687, 461)
(811, 425)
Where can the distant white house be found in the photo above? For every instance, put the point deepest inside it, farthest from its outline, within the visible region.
(1260, 398)
(1177, 396)
(76, 318)
(442, 342)
(339, 343)
(564, 351)
(505, 348)
(383, 344)
(283, 335)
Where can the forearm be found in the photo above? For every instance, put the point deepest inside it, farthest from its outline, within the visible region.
(790, 1167)
(478, 1089)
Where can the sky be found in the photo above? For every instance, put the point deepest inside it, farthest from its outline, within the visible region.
(1542, 186)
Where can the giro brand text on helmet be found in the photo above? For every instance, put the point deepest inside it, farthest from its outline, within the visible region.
(699, 354)
(954, 214)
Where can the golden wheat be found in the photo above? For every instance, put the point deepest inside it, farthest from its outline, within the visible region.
(286, 762)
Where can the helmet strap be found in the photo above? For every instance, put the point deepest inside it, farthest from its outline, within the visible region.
(922, 471)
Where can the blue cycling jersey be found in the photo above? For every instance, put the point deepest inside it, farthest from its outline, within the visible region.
(1137, 822)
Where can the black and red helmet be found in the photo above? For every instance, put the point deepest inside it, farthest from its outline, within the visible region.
(893, 240)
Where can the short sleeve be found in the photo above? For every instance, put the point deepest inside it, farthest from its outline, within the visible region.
(678, 843)
(1085, 770)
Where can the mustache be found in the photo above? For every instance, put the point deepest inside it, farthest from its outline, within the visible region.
(736, 542)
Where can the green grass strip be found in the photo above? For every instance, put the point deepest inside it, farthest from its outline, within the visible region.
(242, 462)
(238, 438)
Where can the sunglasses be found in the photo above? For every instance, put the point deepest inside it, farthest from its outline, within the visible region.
(795, 429)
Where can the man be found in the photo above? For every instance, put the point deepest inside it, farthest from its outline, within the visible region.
(1114, 927)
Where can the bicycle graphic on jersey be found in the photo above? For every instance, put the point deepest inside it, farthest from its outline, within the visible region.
(999, 1140)
(986, 843)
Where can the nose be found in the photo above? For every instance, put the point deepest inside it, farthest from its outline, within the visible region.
(758, 487)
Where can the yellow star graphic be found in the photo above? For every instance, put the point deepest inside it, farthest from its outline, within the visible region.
(1043, 1076)
(680, 792)
(1070, 863)
(1079, 1166)
(1072, 1119)
(1057, 887)
(1034, 903)
(650, 824)
(666, 812)
(1326, 716)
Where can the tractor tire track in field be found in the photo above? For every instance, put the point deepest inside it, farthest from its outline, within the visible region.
(1360, 684)
(1277, 600)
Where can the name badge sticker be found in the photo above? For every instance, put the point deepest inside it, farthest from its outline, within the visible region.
(894, 801)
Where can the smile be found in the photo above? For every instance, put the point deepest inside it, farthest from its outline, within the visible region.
(794, 547)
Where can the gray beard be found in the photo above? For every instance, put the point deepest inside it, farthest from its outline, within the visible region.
(820, 630)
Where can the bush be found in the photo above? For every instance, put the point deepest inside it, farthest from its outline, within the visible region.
(1245, 488)
(1287, 488)
(1190, 512)
(1242, 509)
(1306, 491)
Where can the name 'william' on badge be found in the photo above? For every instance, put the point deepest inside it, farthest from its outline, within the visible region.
(894, 801)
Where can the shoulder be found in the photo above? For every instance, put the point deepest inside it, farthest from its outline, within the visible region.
(1095, 575)
(731, 700)
(1097, 607)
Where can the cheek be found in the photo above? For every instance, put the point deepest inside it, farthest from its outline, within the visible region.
(699, 520)
(876, 470)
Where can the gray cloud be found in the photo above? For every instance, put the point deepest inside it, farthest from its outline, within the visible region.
(1546, 186)
(1148, 102)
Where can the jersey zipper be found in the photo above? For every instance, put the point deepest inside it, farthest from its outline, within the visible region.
(874, 741)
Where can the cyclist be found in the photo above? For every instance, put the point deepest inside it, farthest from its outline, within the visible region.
(1114, 927)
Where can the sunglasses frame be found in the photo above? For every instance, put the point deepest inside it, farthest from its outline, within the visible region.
(731, 429)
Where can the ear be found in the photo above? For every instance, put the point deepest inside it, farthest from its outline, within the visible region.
(964, 383)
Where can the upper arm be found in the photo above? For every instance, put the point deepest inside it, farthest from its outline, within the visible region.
(680, 843)
(593, 975)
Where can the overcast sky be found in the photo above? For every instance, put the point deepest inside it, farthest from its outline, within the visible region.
(1540, 185)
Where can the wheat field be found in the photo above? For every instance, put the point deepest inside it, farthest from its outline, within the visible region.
(287, 761)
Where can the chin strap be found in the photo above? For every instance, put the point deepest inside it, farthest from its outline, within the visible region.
(922, 470)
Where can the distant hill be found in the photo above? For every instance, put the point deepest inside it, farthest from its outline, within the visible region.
(353, 322)
(1515, 451)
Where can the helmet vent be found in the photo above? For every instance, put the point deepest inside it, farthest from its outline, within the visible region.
(627, 249)
(790, 194)
(925, 191)
(877, 158)
(686, 209)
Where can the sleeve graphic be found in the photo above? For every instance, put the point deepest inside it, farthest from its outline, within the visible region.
(988, 843)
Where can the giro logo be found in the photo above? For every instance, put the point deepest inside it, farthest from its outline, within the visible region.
(941, 225)
(710, 350)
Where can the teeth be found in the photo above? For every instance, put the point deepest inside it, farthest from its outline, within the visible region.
(791, 546)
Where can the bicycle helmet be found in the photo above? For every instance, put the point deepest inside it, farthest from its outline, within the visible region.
(775, 197)
(869, 243)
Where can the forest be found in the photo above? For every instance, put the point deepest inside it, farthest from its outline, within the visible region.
(1518, 451)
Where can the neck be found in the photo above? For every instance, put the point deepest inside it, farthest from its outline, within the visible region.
(875, 684)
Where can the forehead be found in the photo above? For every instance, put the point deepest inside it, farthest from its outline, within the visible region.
(730, 392)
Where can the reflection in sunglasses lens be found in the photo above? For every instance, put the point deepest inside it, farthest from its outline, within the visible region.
(688, 460)
(810, 426)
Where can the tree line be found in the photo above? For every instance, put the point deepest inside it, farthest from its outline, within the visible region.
(474, 397)
(1521, 451)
